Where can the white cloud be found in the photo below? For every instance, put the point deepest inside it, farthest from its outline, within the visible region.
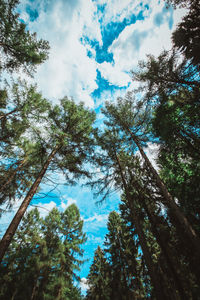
(44, 208)
(114, 74)
(149, 36)
(83, 284)
(152, 151)
(69, 71)
(67, 201)
(95, 239)
(117, 10)
(8, 215)
(97, 218)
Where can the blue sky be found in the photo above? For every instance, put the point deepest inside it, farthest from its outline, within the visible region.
(94, 46)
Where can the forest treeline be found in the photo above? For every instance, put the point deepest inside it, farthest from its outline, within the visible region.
(152, 248)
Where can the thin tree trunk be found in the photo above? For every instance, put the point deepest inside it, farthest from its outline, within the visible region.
(8, 114)
(12, 176)
(167, 254)
(151, 268)
(34, 290)
(189, 231)
(160, 294)
(162, 243)
(6, 240)
(14, 293)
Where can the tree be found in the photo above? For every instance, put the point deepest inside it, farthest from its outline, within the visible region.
(43, 257)
(126, 118)
(123, 257)
(121, 169)
(68, 145)
(181, 3)
(19, 47)
(98, 278)
(112, 177)
(186, 35)
(24, 108)
(177, 127)
(168, 75)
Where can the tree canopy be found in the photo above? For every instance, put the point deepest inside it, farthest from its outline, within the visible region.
(19, 47)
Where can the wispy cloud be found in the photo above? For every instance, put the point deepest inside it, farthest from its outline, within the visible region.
(97, 218)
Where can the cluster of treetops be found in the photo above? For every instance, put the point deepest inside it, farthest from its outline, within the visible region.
(152, 248)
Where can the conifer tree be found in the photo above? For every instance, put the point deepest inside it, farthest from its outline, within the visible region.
(67, 142)
(43, 257)
(125, 117)
(19, 47)
(113, 177)
(123, 258)
(24, 108)
(186, 35)
(99, 278)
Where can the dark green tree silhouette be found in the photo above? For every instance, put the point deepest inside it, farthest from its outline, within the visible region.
(99, 278)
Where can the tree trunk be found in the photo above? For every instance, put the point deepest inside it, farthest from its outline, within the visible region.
(34, 289)
(171, 264)
(8, 114)
(176, 211)
(6, 240)
(160, 294)
(166, 252)
(147, 256)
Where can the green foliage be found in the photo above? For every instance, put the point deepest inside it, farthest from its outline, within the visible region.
(31, 118)
(19, 47)
(186, 35)
(178, 127)
(21, 154)
(167, 76)
(99, 278)
(43, 257)
(123, 256)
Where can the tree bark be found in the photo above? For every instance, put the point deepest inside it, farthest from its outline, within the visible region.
(171, 264)
(176, 211)
(6, 240)
(147, 255)
(166, 252)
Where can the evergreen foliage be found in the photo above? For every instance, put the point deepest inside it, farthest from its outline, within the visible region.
(43, 257)
(152, 248)
(62, 141)
(19, 47)
(159, 206)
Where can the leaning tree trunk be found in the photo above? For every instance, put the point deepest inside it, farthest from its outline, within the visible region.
(6, 240)
(166, 252)
(155, 278)
(171, 264)
(176, 211)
